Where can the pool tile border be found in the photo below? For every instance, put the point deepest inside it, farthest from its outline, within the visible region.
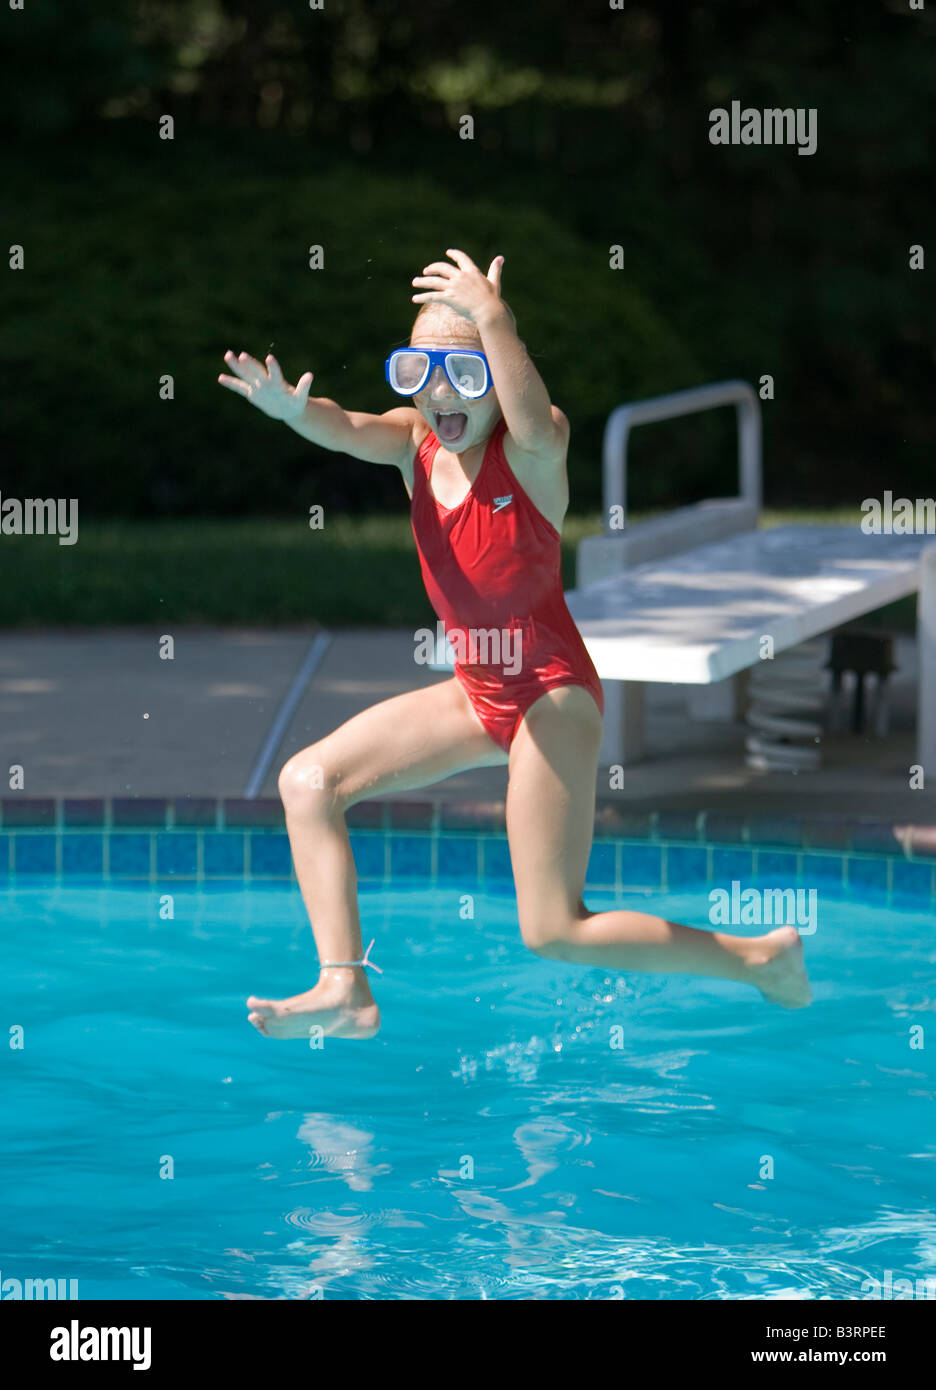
(612, 821)
(206, 839)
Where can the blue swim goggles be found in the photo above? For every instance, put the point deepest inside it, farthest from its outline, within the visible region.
(408, 369)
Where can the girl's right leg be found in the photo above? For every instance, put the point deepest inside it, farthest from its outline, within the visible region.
(403, 743)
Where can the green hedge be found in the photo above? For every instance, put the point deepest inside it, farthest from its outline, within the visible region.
(355, 572)
(147, 259)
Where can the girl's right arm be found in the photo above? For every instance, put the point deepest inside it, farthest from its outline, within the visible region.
(383, 438)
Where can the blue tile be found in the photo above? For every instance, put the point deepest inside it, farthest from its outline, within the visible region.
(223, 853)
(270, 854)
(912, 880)
(458, 858)
(642, 865)
(731, 864)
(82, 854)
(177, 854)
(129, 854)
(6, 842)
(867, 874)
(410, 856)
(601, 864)
(776, 867)
(368, 851)
(35, 854)
(828, 869)
(497, 859)
(685, 865)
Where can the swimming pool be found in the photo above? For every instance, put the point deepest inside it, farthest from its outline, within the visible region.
(518, 1129)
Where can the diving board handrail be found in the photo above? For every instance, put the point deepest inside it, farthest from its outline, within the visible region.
(656, 408)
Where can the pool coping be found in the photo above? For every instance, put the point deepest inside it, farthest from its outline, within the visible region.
(233, 842)
(841, 834)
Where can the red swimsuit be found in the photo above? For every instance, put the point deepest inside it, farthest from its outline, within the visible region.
(491, 567)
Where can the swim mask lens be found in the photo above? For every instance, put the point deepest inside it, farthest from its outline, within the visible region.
(408, 370)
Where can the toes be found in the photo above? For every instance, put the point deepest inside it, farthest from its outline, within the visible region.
(261, 1006)
(259, 1022)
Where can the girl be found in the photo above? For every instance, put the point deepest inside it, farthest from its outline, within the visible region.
(482, 452)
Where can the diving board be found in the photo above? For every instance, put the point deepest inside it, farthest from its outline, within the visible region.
(699, 616)
(688, 597)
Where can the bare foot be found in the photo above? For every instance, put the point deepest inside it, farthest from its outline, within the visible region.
(777, 968)
(341, 1007)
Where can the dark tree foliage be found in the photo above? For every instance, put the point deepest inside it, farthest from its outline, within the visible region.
(591, 130)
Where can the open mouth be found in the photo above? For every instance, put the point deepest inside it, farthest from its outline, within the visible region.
(450, 425)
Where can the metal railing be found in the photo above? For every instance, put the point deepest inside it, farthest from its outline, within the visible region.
(656, 408)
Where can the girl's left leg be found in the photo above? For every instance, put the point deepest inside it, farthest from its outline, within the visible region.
(550, 816)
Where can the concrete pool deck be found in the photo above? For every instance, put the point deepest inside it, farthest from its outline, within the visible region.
(98, 714)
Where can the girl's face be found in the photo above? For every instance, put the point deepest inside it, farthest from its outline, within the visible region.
(459, 424)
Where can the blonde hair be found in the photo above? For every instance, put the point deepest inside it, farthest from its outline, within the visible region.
(440, 309)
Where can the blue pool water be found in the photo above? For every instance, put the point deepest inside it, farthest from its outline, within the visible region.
(489, 1143)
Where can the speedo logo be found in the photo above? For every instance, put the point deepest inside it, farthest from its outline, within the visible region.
(501, 502)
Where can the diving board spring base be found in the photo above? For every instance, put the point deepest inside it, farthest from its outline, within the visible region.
(623, 738)
(623, 741)
(720, 702)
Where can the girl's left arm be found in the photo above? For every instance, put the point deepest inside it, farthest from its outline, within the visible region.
(535, 425)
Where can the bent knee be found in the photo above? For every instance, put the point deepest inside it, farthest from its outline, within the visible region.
(308, 783)
(547, 934)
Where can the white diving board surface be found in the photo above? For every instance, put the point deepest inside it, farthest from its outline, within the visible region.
(699, 616)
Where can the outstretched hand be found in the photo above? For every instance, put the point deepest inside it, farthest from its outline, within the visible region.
(462, 286)
(265, 388)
